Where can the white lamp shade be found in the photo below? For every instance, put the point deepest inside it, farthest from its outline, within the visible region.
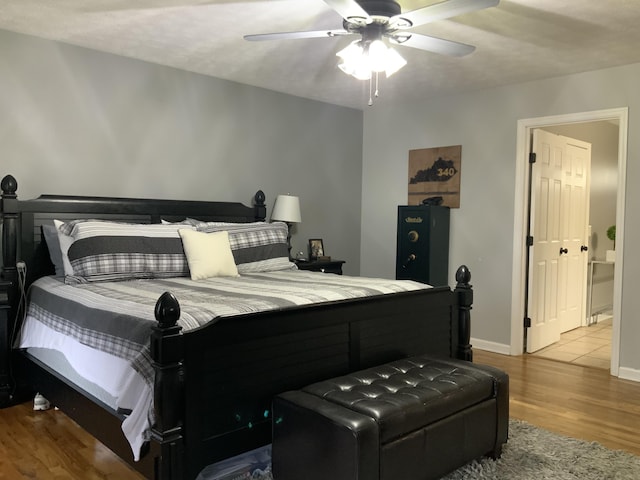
(287, 209)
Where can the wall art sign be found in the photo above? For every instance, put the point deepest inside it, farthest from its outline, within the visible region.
(435, 172)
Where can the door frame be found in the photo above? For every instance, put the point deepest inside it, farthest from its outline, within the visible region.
(523, 146)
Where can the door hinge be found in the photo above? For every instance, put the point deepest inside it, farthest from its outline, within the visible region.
(532, 157)
(529, 241)
(527, 322)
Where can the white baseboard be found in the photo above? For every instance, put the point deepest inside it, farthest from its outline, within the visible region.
(491, 346)
(629, 374)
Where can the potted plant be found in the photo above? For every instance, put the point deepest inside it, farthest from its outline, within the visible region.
(611, 235)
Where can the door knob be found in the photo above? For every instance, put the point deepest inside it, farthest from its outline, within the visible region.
(563, 250)
(584, 248)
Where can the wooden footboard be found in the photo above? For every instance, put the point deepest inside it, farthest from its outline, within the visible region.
(231, 370)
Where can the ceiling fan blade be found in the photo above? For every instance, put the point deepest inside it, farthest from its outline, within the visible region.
(295, 35)
(349, 9)
(433, 44)
(440, 11)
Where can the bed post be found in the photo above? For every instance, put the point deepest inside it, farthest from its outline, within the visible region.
(464, 295)
(259, 206)
(167, 352)
(8, 282)
(9, 228)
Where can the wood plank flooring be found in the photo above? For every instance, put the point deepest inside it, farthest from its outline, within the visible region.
(574, 400)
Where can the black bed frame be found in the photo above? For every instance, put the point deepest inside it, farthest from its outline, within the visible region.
(214, 385)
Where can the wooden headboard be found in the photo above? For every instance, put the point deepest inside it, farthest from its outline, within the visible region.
(22, 238)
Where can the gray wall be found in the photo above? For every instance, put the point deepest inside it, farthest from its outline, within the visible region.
(76, 121)
(482, 231)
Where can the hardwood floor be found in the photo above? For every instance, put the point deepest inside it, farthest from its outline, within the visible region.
(47, 445)
(573, 400)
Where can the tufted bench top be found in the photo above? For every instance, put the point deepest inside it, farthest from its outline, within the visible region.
(406, 395)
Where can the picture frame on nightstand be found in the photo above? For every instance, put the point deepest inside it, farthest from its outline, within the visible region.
(316, 248)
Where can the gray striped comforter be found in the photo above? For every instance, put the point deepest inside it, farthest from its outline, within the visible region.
(116, 317)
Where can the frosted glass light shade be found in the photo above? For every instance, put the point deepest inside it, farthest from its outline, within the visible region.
(360, 59)
(355, 61)
(393, 62)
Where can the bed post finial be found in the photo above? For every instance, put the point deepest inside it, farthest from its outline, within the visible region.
(167, 354)
(9, 186)
(464, 295)
(259, 206)
(167, 311)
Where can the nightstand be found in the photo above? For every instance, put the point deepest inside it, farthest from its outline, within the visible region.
(326, 266)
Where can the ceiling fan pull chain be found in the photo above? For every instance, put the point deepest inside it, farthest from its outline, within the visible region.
(376, 94)
(370, 89)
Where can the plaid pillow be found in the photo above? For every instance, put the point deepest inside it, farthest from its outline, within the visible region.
(104, 250)
(256, 246)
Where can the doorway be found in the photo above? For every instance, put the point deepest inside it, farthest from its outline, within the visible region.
(558, 252)
(525, 128)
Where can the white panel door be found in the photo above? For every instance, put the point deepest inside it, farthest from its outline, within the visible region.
(560, 213)
(545, 264)
(575, 230)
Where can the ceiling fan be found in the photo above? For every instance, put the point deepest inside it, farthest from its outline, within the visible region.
(375, 20)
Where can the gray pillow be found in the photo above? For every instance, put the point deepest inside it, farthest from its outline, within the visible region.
(53, 244)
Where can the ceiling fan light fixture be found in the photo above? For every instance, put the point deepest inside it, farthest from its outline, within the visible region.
(361, 59)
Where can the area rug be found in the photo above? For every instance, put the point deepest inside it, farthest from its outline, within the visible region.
(535, 454)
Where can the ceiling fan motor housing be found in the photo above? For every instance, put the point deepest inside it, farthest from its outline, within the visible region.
(382, 8)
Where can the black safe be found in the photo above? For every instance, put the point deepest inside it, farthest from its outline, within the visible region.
(422, 251)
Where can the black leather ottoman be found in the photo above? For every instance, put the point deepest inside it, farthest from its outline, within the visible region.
(412, 419)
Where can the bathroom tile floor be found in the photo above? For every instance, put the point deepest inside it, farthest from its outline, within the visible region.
(588, 346)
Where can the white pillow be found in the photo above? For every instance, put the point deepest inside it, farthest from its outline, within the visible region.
(208, 254)
(65, 243)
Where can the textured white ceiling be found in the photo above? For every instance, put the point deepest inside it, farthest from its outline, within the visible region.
(517, 41)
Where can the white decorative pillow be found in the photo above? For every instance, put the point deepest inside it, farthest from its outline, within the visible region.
(208, 254)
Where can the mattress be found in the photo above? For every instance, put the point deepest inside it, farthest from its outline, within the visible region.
(102, 329)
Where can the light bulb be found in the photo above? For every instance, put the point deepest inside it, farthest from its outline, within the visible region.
(378, 56)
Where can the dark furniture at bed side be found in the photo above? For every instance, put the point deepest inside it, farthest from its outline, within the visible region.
(324, 266)
(214, 385)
